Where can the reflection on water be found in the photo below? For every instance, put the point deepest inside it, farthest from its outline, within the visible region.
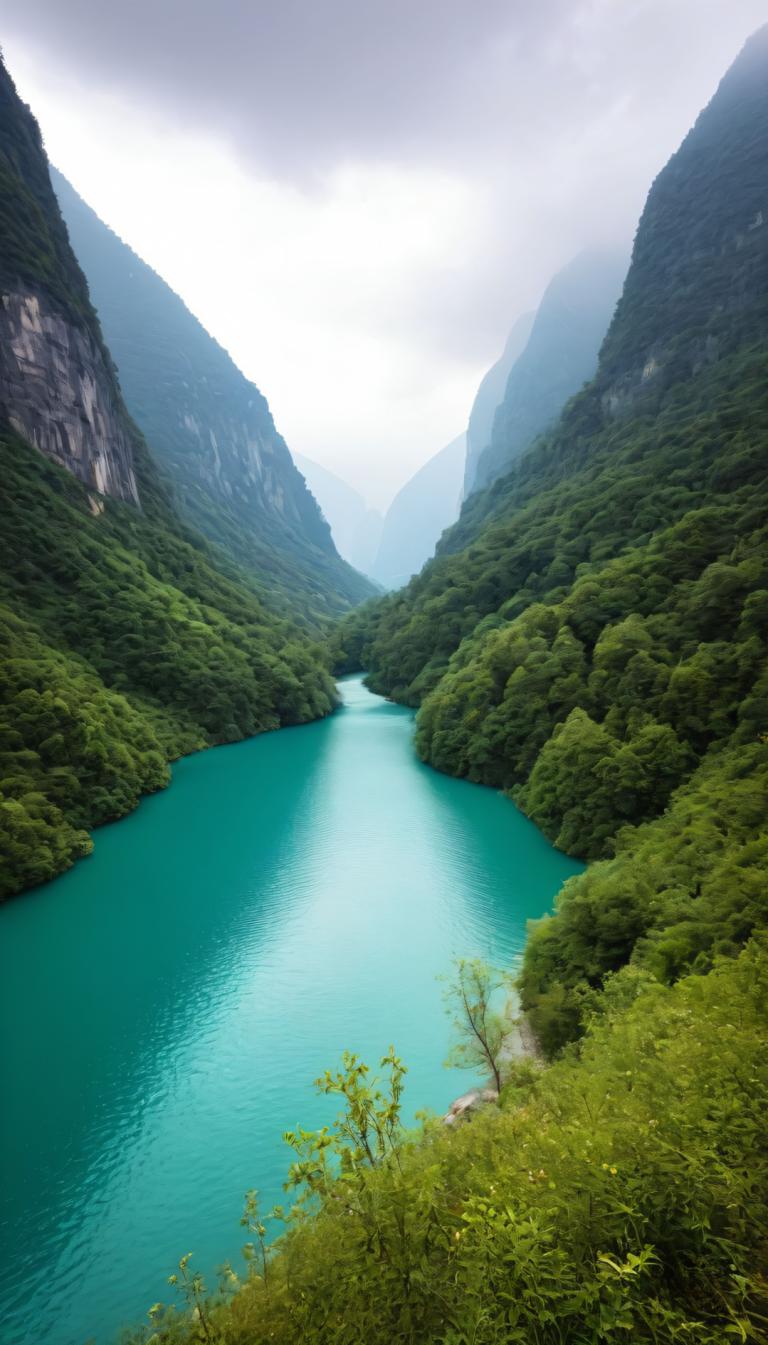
(167, 1004)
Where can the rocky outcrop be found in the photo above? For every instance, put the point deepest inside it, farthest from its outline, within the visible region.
(56, 391)
(57, 385)
(464, 1107)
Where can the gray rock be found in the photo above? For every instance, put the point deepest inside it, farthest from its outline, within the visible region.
(57, 392)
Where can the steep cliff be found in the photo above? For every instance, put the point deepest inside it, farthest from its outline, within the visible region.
(420, 512)
(490, 394)
(210, 428)
(559, 358)
(57, 385)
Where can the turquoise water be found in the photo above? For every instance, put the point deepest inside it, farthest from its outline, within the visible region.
(167, 1003)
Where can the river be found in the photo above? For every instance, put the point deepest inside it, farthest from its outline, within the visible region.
(167, 1004)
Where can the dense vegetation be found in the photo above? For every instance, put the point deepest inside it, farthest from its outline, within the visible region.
(125, 642)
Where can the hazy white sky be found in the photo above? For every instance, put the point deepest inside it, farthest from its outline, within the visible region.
(358, 197)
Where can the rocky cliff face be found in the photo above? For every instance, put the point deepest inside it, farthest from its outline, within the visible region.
(55, 391)
(57, 385)
(238, 458)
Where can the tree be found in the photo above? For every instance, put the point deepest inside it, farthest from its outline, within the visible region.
(481, 1029)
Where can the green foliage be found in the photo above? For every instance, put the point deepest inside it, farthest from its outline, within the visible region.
(363, 1135)
(681, 890)
(125, 642)
(627, 1198)
(72, 754)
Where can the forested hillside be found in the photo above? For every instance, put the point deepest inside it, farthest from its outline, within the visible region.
(126, 639)
(598, 648)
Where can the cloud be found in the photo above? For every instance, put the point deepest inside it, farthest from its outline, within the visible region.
(359, 196)
(301, 85)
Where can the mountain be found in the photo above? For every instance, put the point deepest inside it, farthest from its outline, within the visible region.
(559, 357)
(598, 646)
(490, 394)
(126, 639)
(210, 428)
(355, 528)
(422, 509)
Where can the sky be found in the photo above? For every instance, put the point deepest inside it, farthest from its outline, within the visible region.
(359, 197)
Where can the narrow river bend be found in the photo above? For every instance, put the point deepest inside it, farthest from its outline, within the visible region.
(167, 1004)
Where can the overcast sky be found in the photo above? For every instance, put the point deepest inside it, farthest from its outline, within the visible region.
(358, 197)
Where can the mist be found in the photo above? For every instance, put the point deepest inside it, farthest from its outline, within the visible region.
(359, 200)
